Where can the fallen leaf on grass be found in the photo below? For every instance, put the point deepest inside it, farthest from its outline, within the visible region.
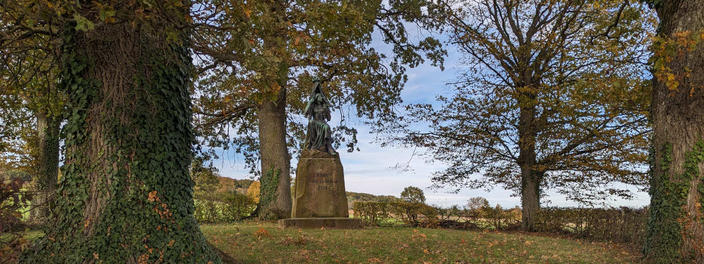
(304, 253)
(403, 246)
(374, 260)
(417, 234)
(261, 233)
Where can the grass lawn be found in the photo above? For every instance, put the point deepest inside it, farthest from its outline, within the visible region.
(266, 243)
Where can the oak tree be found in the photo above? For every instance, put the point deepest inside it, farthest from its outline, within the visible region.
(31, 105)
(252, 89)
(552, 98)
(125, 195)
(413, 194)
(675, 231)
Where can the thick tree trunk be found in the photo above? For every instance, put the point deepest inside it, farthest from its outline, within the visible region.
(530, 196)
(48, 167)
(275, 187)
(676, 225)
(125, 195)
(530, 179)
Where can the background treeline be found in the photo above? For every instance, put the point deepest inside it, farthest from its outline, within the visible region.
(220, 199)
(622, 225)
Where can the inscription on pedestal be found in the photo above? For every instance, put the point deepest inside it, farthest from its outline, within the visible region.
(324, 182)
(320, 186)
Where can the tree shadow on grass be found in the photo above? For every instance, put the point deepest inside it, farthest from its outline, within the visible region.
(226, 259)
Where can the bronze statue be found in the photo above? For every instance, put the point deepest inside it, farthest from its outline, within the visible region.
(319, 135)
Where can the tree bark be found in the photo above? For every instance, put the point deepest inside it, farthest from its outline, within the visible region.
(675, 229)
(48, 166)
(275, 159)
(126, 195)
(275, 188)
(530, 178)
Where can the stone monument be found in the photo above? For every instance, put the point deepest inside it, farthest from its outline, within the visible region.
(320, 199)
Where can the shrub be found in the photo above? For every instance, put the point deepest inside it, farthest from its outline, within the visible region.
(410, 213)
(372, 213)
(475, 208)
(224, 208)
(12, 200)
(621, 225)
(238, 206)
(446, 214)
(414, 213)
(206, 211)
(624, 225)
(499, 218)
(253, 191)
(413, 195)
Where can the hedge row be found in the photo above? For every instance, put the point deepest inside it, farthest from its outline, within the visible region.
(623, 225)
(413, 214)
(417, 214)
(233, 207)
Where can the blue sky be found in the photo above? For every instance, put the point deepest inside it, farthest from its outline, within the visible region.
(374, 169)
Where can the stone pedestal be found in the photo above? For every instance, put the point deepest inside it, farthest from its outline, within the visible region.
(320, 199)
(320, 186)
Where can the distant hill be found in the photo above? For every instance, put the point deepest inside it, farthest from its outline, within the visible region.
(365, 197)
(228, 184)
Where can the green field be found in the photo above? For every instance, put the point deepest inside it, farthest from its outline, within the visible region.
(266, 243)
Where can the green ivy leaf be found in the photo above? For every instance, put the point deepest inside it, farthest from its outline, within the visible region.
(107, 15)
(82, 23)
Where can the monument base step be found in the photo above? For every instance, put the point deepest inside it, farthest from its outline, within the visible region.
(326, 222)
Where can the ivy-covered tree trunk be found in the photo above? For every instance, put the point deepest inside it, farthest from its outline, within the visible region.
(530, 180)
(275, 190)
(48, 166)
(126, 195)
(676, 225)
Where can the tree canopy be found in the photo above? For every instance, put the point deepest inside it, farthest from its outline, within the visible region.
(29, 78)
(330, 39)
(413, 194)
(553, 98)
(251, 89)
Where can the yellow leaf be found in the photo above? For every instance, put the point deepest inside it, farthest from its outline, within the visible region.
(247, 12)
(152, 196)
